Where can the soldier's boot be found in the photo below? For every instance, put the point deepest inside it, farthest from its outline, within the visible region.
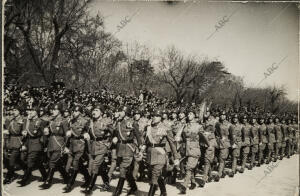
(43, 173)
(90, 187)
(26, 178)
(48, 183)
(244, 160)
(10, 175)
(132, 184)
(64, 174)
(221, 169)
(152, 189)
(105, 179)
(233, 167)
(173, 177)
(162, 186)
(119, 187)
(70, 184)
(252, 161)
(87, 178)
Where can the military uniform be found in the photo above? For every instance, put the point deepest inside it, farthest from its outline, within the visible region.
(285, 137)
(222, 135)
(34, 128)
(278, 139)
(271, 140)
(14, 127)
(209, 133)
(235, 135)
(246, 144)
(126, 149)
(55, 148)
(101, 132)
(192, 136)
(263, 142)
(254, 143)
(77, 127)
(156, 139)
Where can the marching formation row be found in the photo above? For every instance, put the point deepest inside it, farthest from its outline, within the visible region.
(158, 145)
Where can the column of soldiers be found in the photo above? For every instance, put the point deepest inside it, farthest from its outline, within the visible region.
(153, 144)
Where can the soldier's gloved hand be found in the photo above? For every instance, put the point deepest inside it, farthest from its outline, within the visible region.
(69, 133)
(23, 148)
(177, 139)
(45, 149)
(46, 131)
(5, 132)
(86, 136)
(24, 133)
(115, 140)
(142, 147)
(66, 150)
(176, 162)
(234, 146)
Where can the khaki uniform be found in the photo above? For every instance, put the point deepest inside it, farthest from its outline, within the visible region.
(278, 137)
(192, 136)
(56, 142)
(254, 142)
(246, 143)
(222, 135)
(156, 139)
(77, 144)
(235, 135)
(126, 148)
(263, 141)
(209, 133)
(271, 140)
(101, 131)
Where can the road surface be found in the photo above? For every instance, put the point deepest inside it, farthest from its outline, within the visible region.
(282, 179)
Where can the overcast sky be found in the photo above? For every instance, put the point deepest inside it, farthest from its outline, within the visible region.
(253, 37)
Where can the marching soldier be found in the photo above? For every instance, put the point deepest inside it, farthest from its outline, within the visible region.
(222, 133)
(192, 136)
(56, 145)
(246, 142)
(32, 131)
(271, 139)
(290, 138)
(156, 138)
(254, 135)
(14, 130)
(263, 141)
(77, 128)
(100, 134)
(140, 123)
(235, 135)
(296, 134)
(209, 133)
(124, 137)
(284, 138)
(278, 137)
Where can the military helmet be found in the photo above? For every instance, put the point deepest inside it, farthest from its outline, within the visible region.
(157, 112)
(99, 106)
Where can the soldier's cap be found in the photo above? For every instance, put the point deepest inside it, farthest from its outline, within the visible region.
(223, 112)
(181, 111)
(100, 107)
(192, 110)
(138, 111)
(235, 116)
(77, 108)
(34, 108)
(244, 116)
(253, 117)
(157, 113)
(57, 106)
